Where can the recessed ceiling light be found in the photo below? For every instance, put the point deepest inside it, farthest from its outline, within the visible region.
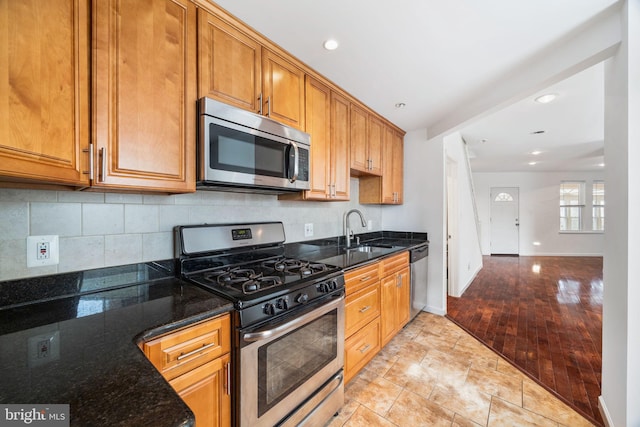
(331, 44)
(532, 163)
(546, 98)
(535, 153)
(601, 165)
(401, 105)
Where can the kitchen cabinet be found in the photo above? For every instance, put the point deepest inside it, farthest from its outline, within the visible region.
(144, 95)
(234, 67)
(44, 82)
(395, 298)
(282, 90)
(327, 121)
(388, 188)
(362, 318)
(366, 142)
(196, 362)
(229, 63)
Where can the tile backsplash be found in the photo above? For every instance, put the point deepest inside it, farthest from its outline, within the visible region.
(106, 229)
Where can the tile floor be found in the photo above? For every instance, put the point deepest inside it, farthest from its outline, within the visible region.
(435, 374)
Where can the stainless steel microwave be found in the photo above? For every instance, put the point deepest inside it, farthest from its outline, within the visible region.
(246, 152)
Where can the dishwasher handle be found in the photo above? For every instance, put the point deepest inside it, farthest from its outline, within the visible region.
(418, 253)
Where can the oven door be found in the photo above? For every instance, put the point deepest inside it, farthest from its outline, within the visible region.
(290, 370)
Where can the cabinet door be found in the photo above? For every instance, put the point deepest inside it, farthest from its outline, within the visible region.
(388, 192)
(144, 94)
(397, 172)
(375, 132)
(318, 117)
(359, 157)
(207, 392)
(229, 63)
(283, 90)
(403, 300)
(388, 297)
(340, 132)
(44, 82)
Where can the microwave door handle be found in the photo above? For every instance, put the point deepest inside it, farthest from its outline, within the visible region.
(293, 145)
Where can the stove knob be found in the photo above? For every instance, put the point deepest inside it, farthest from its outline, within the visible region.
(269, 309)
(302, 298)
(334, 285)
(324, 288)
(282, 304)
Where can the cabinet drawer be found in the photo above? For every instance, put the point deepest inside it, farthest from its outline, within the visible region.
(361, 277)
(394, 263)
(361, 308)
(360, 348)
(180, 351)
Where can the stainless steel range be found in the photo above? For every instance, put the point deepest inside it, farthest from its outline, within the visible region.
(289, 321)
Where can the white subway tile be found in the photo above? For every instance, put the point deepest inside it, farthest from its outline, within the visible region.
(140, 218)
(14, 220)
(102, 219)
(80, 197)
(123, 198)
(81, 253)
(120, 249)
(157, 246)
(170, 216)
(19, 195)
(63, 219)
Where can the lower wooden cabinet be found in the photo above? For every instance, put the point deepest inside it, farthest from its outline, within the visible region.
(377, 307)
(196, 362)
(395, 300)
(206, 390)
(360, 348)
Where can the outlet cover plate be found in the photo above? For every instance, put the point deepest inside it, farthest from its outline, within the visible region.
(308, 230)
(33, 245)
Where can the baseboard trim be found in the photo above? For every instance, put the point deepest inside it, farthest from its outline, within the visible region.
(602, 407)
(435, 310)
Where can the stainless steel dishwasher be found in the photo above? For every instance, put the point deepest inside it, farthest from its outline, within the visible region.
(418, 257)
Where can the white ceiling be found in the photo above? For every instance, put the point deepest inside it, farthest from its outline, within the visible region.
(437, 55)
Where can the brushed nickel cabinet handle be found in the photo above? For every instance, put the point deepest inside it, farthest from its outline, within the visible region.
(197, 350)
(365, 309)
(260, 102)
(364, 279)
(364, 348)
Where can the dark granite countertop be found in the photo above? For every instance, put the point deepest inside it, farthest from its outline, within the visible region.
(372, 247)
(94, 321)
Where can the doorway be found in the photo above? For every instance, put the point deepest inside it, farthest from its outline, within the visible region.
(505, 223)
(452, 227)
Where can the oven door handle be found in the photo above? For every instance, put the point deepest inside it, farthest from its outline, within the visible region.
(292, 325)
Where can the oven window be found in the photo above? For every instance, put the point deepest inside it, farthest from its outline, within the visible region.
(286, 363)
(236, 151)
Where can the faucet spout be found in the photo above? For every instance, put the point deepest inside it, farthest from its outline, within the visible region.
(347, 229)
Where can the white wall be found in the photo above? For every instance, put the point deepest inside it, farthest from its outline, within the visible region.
(468, 257)
(99, 230)
(423, 208)
(621, 316)
(539, 212)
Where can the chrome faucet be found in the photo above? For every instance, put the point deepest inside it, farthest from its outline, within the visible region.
(348, 232)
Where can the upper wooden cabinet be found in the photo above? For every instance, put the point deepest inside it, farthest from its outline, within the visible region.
(144, 95)
(366, 142)
(235, 68)
(44, 82)
(282, 90)
(388, 188)
(229, 63)
(327, 121)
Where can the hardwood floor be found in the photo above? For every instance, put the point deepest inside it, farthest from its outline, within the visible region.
(543, 314)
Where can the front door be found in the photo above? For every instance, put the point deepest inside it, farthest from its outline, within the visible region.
(504, 221)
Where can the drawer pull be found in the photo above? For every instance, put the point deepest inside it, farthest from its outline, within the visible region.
(364, 348)
(197, 350)
(365, 308)
(364, 279)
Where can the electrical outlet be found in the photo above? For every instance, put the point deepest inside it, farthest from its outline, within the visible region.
(43, 348)
(42, 250)
(308, 230)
